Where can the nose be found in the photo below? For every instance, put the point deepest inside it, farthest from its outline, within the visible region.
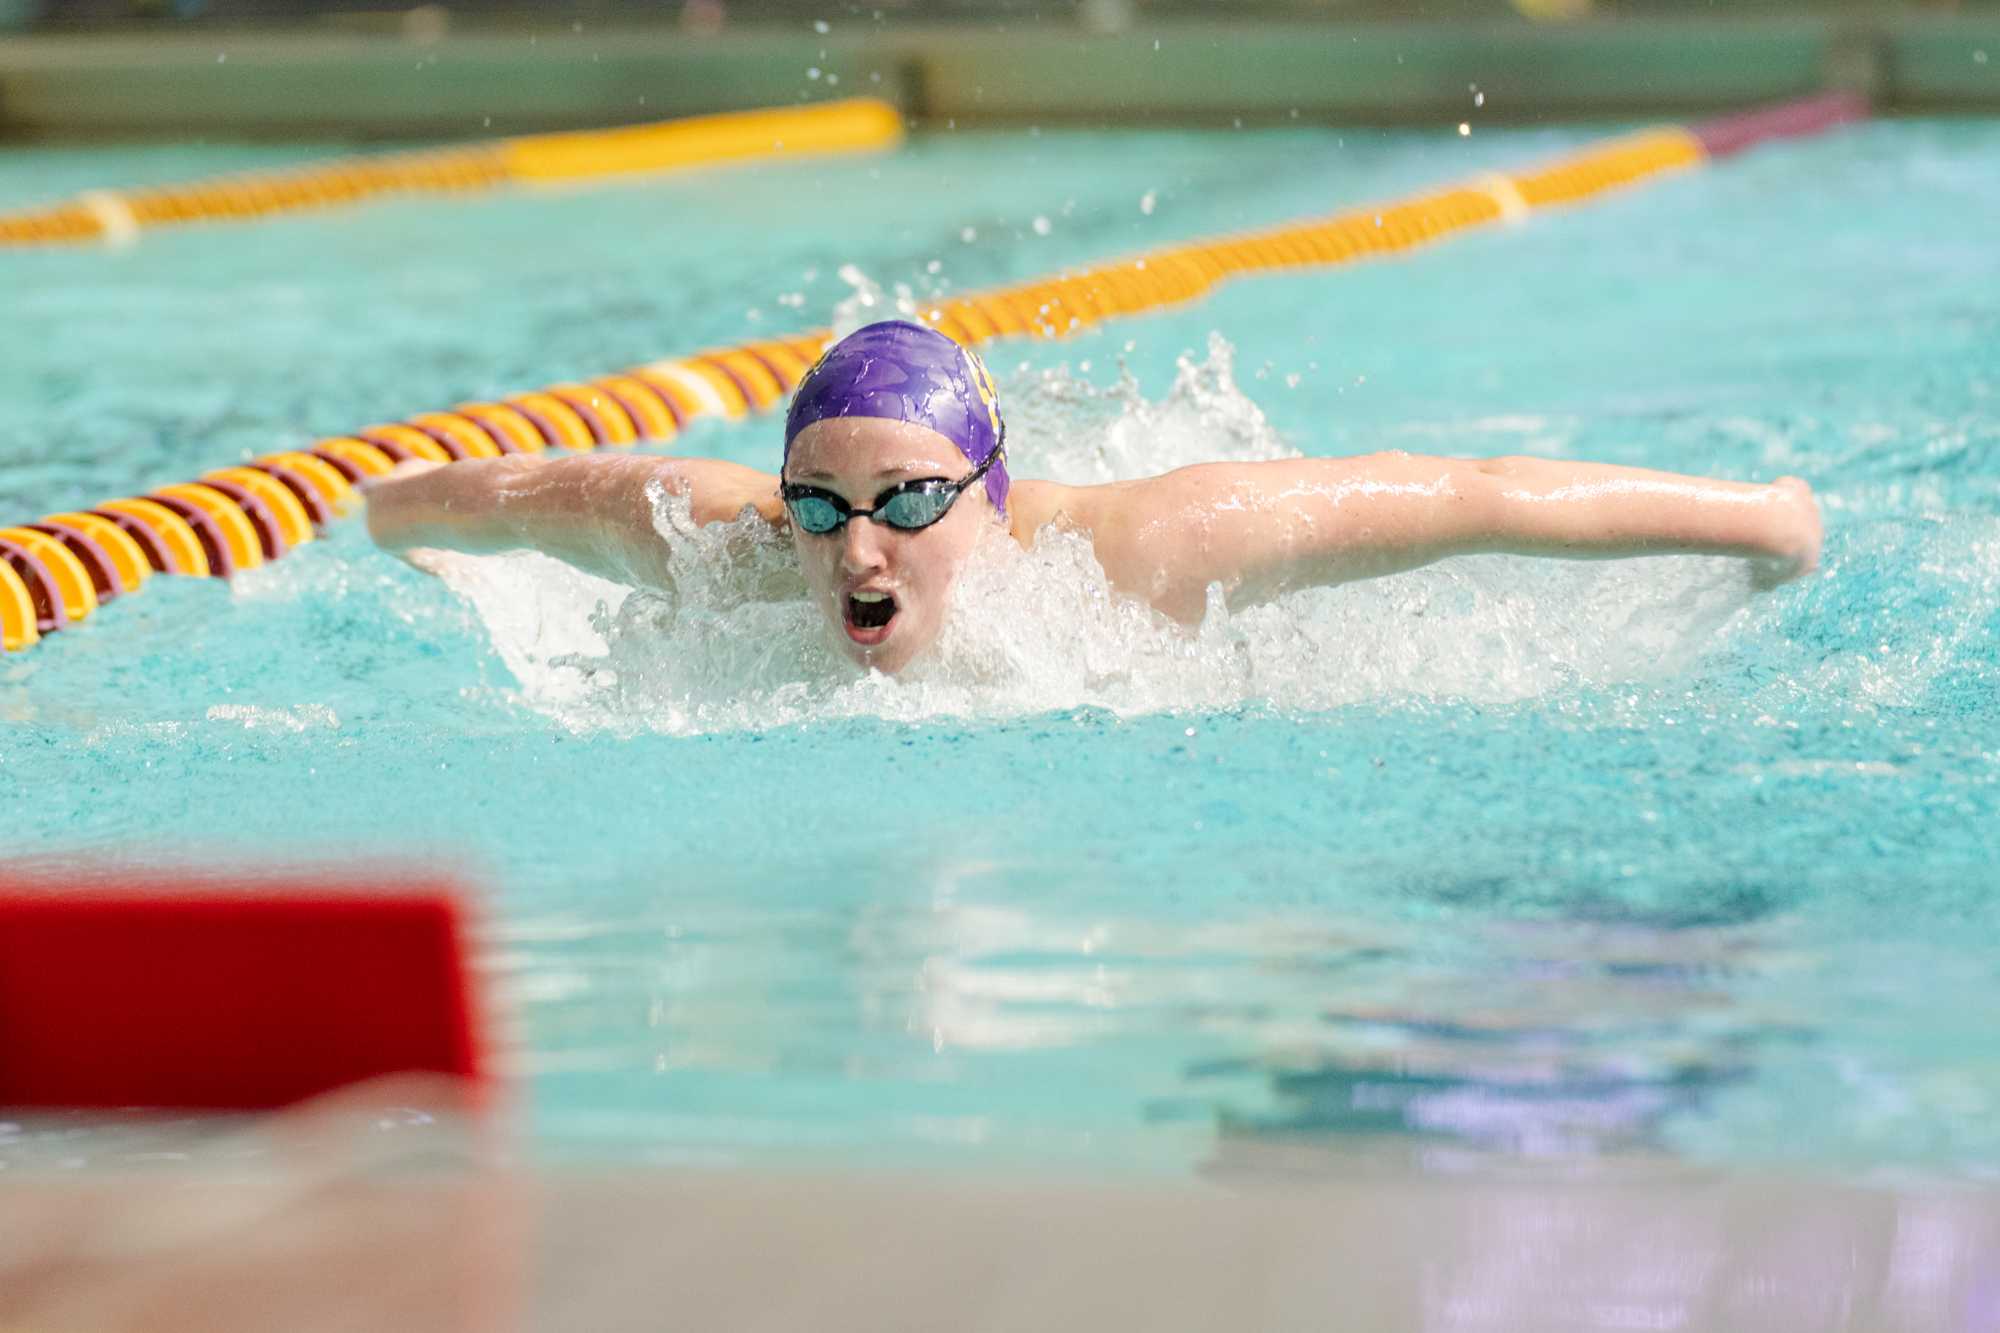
(861, 547)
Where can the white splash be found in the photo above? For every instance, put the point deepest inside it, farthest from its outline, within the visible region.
(305, 717)
(1062, 428)
(868, 302)
(736, 645)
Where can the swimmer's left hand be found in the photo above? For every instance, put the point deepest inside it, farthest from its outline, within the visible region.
(1796, 534)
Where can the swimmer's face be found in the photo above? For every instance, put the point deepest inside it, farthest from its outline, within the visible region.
(884, 591)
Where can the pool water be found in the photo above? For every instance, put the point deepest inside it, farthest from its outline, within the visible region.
(1494, 862)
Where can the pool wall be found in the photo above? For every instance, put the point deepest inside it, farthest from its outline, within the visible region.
(562, 75)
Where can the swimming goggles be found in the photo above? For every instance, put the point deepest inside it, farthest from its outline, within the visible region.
(910, 507)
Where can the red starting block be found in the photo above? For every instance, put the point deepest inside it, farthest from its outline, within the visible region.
(224, 995)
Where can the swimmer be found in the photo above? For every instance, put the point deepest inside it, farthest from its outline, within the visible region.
(895, 470)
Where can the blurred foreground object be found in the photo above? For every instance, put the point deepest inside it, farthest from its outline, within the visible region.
(371, 1202)
(379, 1207)
(155, 992)
(1357, 1242)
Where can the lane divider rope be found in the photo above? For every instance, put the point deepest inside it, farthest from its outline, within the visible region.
(118, 217)
(56, 572)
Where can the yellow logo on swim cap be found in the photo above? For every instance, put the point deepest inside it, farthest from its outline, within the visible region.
(988, 393)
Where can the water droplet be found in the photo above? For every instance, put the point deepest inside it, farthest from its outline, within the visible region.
(822, 27)
(1042, 225)
(934, 266)
(1464, 129)
(1148, 201)
(813, 73)
(1479, 99)
(968, 234)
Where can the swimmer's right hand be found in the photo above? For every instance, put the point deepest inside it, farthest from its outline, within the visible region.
(398, 503)
(430, 559)
(409, 467)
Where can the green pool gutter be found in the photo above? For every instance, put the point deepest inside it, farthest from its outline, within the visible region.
(291, 83)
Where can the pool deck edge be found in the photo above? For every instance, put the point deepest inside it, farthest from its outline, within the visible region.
(307, 1249)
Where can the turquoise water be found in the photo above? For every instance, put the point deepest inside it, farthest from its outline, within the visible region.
(1492, 862)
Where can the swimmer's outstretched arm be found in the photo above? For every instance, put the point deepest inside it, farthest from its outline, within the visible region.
(1264, 528)
(593, 512)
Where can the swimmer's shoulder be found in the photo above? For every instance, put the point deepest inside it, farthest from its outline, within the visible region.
(720, 491)
(1034, 505)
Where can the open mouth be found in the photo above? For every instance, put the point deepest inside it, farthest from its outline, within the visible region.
(869, 615)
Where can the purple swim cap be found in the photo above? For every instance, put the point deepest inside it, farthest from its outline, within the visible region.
(905, 372)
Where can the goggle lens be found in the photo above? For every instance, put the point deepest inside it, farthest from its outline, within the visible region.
(917, 509)
(816, 515)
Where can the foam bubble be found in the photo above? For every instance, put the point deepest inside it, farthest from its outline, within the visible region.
(251, 717)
